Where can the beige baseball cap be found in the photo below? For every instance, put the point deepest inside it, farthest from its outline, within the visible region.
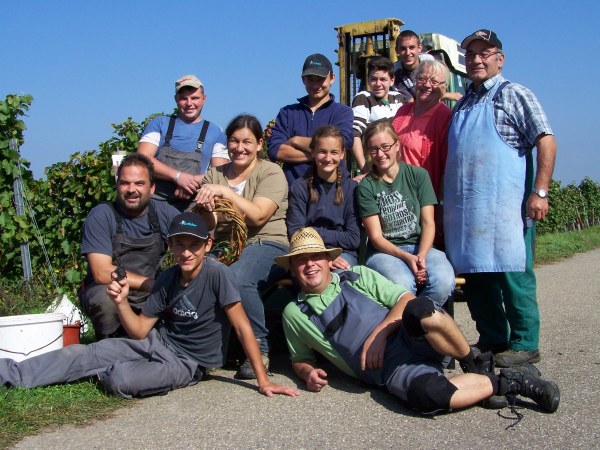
(187, 80)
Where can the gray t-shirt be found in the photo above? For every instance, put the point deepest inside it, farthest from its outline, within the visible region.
(100, 226)
(192, 319)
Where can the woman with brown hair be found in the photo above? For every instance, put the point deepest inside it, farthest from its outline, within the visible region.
(258, 190)
(395, 202)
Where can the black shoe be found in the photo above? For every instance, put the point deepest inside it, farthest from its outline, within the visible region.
(516, 358)
(245, 372)
(494, 348)
(523, 382)
(495, 402)
(482, 363)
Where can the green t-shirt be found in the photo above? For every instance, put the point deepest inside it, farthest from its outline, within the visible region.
(304, 338)
(398, 203)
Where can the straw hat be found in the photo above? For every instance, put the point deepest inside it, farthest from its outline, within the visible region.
(306, 240)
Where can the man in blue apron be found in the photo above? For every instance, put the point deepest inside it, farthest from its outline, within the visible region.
(130, 233)
(492, 200)
(375, 330)
(183, 146)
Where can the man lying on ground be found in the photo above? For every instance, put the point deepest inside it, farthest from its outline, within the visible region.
(374, 330)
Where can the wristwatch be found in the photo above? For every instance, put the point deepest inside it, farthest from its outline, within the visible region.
(540, 192)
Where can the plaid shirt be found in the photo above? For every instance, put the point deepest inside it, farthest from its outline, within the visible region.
(519, 117)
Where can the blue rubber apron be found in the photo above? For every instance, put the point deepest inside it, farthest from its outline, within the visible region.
(484, 186)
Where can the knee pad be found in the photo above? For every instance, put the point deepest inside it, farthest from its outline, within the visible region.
(430, 393)
(416, 310)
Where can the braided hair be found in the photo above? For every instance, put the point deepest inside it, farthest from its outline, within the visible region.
(324, 132)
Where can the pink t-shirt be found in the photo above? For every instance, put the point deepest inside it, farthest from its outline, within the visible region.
(424, 139)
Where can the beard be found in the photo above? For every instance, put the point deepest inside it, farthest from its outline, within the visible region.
(134, 208)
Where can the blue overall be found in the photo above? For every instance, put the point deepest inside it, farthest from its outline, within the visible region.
(347, 323)
(485, 188)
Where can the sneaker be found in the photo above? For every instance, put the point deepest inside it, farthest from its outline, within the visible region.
(523, 382)
(516, 358)
(245, 372)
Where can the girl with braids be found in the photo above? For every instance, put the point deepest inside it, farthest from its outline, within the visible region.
(324, 198)
(395, 202)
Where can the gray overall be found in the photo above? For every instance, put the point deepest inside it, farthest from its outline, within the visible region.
(194, 163)
(347, 323)
(137, 255)
(125, 367)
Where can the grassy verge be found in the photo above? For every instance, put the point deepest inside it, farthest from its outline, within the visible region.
(556, 246)
(27, 411)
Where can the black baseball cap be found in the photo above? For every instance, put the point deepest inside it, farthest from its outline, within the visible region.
(482, 35)
(188, 223)
(318, 65)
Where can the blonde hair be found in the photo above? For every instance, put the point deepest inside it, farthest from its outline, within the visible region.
(379, 126)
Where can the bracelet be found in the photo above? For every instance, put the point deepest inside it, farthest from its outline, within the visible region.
(177, 175)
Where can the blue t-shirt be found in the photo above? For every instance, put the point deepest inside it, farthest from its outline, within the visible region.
(100, 226)
(185, 138)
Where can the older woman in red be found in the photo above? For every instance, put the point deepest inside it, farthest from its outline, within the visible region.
(422, 128)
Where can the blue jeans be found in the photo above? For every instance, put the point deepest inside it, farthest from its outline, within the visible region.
(440, 280)
(254, 271)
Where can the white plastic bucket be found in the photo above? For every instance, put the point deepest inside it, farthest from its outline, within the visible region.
(22, 337)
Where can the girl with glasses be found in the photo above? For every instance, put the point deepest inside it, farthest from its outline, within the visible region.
(395, 202)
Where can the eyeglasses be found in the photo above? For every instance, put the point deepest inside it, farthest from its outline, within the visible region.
(384, 148)
(483, 55)
(432, 81)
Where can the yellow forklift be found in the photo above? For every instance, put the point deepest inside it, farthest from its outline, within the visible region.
(362, 41)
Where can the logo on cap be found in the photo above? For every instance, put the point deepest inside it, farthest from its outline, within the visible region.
(188, 224)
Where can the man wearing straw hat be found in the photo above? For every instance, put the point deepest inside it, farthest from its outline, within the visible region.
(375, 330)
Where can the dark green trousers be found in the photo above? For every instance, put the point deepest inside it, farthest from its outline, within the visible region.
(504, 305)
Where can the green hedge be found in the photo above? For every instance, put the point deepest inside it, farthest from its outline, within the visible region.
(70, 189)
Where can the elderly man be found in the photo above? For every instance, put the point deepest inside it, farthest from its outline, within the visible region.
(295, 124)
(130, 234)
(375, 330)
(183, 146)
(491, 200)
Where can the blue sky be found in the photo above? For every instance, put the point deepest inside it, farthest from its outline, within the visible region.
(92, 63)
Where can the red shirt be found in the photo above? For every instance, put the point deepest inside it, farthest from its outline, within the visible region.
(424, 139)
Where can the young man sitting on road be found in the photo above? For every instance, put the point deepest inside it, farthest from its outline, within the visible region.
(375, 330)
(177, 338)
